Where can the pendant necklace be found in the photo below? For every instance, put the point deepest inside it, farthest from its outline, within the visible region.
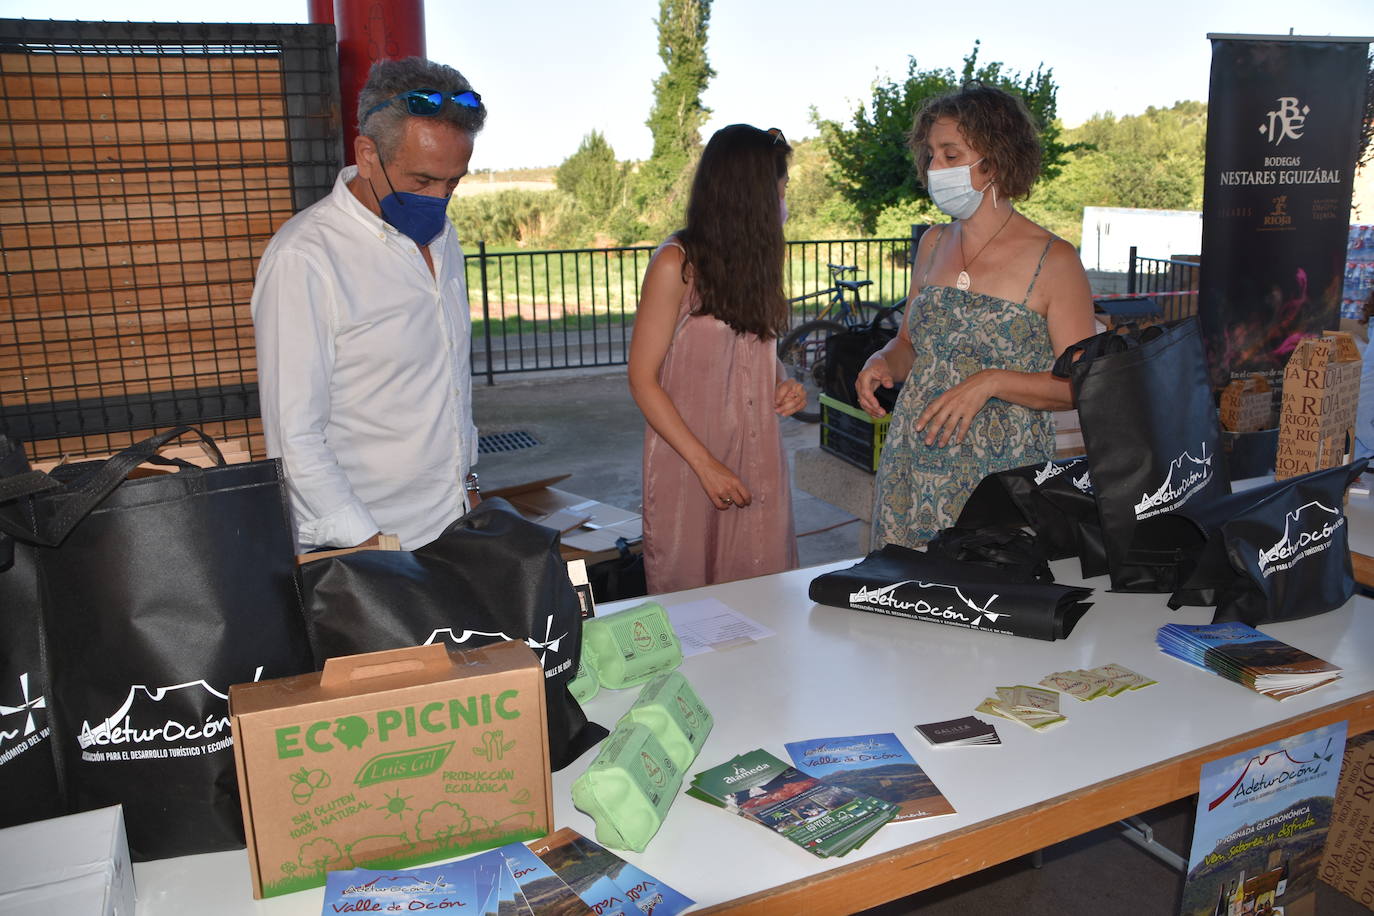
(963, 282)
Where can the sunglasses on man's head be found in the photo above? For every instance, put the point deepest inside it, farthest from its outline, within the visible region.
(427, 102)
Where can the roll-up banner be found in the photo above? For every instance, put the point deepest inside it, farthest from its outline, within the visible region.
(1284, 118)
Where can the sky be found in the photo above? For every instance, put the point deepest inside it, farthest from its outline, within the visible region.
(551, 71)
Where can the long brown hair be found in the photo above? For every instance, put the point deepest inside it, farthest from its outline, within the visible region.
(733, 235)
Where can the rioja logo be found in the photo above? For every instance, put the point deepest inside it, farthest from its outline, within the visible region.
(886, 600)
(545, 648)
(1185, 477)
(1286, 122)
(1312, 535)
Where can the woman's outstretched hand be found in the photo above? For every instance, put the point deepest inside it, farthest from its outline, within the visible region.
(875, 373)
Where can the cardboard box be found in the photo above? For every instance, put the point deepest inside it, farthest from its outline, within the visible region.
(73, 864)
(1348, 859)
(589, 528)
(1246, 405)
(390, 759)
(1321, 388)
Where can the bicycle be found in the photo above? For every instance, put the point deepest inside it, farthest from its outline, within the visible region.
(803, 349)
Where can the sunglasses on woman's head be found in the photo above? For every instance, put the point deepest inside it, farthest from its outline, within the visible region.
(428, 102)
(776, 134)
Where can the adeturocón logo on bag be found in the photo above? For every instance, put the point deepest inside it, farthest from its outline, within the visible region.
(1186, 475)
(182, 720)
(23, 725)
(551, 657)
(960, 610)
(1306, 530)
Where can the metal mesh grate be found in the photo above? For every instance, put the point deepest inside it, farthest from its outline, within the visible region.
(143, 168)
(505, 442)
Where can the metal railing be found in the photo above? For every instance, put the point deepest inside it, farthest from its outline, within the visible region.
(574, 307)
(1173, 284)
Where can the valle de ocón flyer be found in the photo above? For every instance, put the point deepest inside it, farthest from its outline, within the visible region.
(1262, 818)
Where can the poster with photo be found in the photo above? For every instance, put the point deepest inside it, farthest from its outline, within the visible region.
(1262, 818)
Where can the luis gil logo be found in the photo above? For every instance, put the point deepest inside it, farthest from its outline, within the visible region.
(1185, 477)
(1285, 122)
(182, 720)
(1306, 530)
(961, 611)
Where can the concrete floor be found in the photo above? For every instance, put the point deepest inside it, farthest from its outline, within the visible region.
(587, 426)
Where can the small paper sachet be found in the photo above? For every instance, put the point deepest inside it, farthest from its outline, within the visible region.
(1035, 719)
(1076, 685)
(1119, 674)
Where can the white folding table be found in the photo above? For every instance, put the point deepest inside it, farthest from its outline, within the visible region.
(831, 672)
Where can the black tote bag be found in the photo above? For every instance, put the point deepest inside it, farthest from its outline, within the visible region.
(165, 592)
(1276, 552)
(28, 774)
(1054, 499)
(1010, 549)
(1152, 438)
(901, 582)
(491, 576)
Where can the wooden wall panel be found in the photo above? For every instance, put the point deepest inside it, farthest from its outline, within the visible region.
(137, 192)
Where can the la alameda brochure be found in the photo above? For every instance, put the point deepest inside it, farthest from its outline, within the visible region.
(876, 765)
(1262, 818)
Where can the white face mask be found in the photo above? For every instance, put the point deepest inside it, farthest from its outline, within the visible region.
(953, 192)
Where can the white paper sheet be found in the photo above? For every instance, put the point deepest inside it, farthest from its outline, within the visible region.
(703, 625)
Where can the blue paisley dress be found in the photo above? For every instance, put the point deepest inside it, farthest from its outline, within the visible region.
(956, 333)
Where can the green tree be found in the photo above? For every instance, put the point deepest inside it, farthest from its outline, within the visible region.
(677, 114)
(874, 168)
(1153, 160)
(815, 207)
(594, 178)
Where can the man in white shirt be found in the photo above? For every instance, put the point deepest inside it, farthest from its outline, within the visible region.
(361, 316)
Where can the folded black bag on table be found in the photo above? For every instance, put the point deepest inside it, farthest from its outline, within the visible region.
(902, 582)
(1011, 550)
(491, 576)
(156, 594)
(1276, 552)
(1054, 499)
(1152, 438)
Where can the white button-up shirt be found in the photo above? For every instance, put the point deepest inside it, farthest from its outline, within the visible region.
(364, 374)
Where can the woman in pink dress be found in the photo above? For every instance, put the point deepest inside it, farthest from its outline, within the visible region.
(704, 371)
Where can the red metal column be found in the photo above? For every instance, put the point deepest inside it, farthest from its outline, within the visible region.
(369, 31)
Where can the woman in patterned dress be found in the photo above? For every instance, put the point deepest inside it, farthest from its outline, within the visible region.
(994, 298)
(704, 371)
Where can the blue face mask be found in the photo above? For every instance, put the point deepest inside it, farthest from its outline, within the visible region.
(416, 216)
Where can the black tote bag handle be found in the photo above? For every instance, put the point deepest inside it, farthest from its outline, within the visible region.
(1126, 337)
(89, 490)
